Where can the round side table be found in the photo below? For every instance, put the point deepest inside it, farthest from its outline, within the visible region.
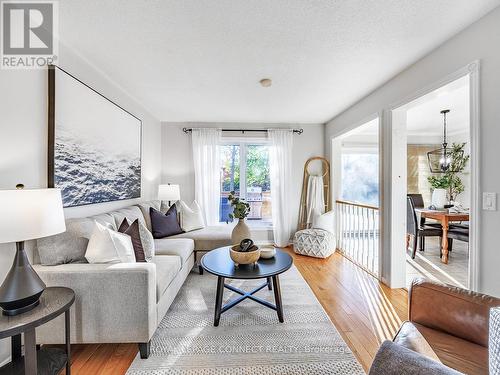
(53, 302)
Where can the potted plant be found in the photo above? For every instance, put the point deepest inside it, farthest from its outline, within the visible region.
(450, 181)
(241, 209)
(439, 184)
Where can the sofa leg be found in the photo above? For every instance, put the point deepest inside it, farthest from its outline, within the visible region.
(144, 349)
(200, 269)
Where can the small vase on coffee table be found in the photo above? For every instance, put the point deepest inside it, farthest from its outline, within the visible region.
(240, 232)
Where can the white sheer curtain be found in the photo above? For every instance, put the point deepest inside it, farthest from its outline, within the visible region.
(206, 158)
(280, 157)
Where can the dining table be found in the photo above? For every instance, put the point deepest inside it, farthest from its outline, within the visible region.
(444, 217)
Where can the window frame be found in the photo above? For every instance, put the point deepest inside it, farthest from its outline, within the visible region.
(242, 143)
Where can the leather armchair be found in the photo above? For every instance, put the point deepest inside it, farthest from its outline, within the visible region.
(448, 324)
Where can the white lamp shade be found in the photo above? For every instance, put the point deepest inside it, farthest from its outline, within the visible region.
(169, 193)
(30, 214)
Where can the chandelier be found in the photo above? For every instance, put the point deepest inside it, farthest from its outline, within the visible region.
(441, 160)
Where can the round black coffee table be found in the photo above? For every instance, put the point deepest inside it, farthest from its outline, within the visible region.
(219, 263)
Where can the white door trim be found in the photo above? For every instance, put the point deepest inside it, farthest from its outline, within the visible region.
(335, 137)
(471, 70)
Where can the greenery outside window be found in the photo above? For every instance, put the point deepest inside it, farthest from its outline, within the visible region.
(245, 170)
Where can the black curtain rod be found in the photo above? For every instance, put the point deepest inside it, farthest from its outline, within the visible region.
(296, 131)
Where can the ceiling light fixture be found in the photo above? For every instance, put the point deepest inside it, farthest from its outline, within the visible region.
(441, 160)
(266, 82)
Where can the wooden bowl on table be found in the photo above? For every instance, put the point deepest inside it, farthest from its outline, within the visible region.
(247, 257)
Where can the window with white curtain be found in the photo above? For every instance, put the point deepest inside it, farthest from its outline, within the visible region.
(245, 170)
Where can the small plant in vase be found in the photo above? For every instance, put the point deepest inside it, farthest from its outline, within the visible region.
(241, 209)
(439, 185)
(450, 181)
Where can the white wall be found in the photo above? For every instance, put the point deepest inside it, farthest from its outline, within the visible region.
(177, 161)
(478, 41)
(23, 139)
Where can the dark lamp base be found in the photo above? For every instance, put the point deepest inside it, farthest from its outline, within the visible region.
(20, 310)
(22, 287)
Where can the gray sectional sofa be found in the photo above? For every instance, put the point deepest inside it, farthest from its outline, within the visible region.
(121, 302)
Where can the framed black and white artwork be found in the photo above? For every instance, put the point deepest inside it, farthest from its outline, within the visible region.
(94, 151)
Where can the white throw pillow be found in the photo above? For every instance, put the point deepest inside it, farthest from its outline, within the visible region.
(191, 217)
(323, 221)
(107, 246)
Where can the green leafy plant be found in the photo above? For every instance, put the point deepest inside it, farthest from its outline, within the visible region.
(439, 182)
(451, 180)
(241, 209)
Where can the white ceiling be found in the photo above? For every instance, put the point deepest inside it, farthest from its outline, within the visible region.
(424, 122)
(196, 60)
(424, 117)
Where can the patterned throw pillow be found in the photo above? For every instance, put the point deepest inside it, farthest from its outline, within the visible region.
(494, 346)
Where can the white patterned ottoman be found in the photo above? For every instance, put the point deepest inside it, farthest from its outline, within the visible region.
(494, 347)
(317, 243)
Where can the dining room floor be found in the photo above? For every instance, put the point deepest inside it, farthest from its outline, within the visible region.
(428, 264)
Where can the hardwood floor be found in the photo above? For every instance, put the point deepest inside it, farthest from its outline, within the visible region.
(364, 311)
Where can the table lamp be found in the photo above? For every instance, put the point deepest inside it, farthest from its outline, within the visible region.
(169, 193)
(26, 215)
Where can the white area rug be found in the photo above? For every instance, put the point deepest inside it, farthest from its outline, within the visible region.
(249, 339)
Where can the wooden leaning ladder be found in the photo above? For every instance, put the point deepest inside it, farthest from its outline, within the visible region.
(305, 182)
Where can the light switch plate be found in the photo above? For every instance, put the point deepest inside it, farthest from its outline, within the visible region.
(489, 201)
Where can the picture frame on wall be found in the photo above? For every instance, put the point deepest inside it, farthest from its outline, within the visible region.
(94, 145)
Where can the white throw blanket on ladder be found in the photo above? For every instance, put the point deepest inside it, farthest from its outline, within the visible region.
(315, 198)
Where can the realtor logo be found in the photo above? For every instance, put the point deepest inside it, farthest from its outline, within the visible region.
(29, 31)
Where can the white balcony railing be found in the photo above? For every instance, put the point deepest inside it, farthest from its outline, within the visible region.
(358, 231)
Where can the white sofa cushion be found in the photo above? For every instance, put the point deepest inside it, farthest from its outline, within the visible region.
(209, 238)
(182, 247)
(107, 246)
(167, 267)
(191, 216)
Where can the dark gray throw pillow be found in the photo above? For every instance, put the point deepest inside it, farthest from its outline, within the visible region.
(133, 231)
(164, 225)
